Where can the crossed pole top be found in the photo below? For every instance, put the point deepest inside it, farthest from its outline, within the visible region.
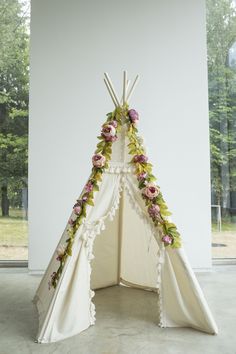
(125, 95)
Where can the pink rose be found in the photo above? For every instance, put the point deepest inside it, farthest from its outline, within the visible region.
(150, 190)
(71, 222)
(142, 176)
(154, 210)
(167, 239)
(113, 123)
(85, 198)
(140, 158)
(98, 160)
(134, 116)
(77, 209)
(111, 138)
(88, 187)
(108, 130)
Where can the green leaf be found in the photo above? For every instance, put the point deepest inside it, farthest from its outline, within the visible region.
(151, 178)
(165, 212)
(84, 212)
(90, 202)
(95, 187)
(176, 243)
(99, 150)
(101, 144)
(98, 176)
(69, 251)
(174, 233)
(132, 151)
(131, 145)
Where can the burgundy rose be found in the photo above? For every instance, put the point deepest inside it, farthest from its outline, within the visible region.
(85, 198)
(134, 116)
(140, 158)
(111, 138)
(154, 211)
(108, 131)
(53, 276)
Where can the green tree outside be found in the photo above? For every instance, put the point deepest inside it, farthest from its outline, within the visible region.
(221, 37)
(14, 96)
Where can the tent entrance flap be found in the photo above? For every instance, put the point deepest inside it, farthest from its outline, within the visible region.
(104, 266)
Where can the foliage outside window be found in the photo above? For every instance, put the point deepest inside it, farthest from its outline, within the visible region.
(14, 96)
(221, 38)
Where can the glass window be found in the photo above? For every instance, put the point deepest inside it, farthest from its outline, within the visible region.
(221, 39)
(14, 96)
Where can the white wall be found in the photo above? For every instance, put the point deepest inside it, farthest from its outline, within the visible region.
(73, 42)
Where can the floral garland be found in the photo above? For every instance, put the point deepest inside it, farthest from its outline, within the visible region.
(157, 208)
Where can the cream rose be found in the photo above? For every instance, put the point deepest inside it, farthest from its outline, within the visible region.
(98, 160)
(60, 252)
(108, 130)
(150, 190)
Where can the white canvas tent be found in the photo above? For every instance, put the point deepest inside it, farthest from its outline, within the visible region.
(128, 248)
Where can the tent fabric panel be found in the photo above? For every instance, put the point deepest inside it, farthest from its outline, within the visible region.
(106, 200)
(69, 311)
(184, 304)
(139, 253)
(105, 265)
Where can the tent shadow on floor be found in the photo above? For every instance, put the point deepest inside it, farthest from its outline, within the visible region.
(127, 304)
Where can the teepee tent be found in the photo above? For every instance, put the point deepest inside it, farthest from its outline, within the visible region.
(119, 233)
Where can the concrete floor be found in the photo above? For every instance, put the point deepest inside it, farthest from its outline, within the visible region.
(126, 320)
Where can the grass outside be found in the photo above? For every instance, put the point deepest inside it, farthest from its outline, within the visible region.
(14, 236)
(226, 226)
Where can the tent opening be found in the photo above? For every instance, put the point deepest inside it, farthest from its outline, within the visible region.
(125, 253)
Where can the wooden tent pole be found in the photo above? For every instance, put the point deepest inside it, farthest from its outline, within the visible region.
(112, 88)
(132, 88)
(127, 86)
(125, 94)
(110, 92)
(120, 233)
(124, 86)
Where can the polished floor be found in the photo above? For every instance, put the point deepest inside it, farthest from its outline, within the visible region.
(126, 320)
